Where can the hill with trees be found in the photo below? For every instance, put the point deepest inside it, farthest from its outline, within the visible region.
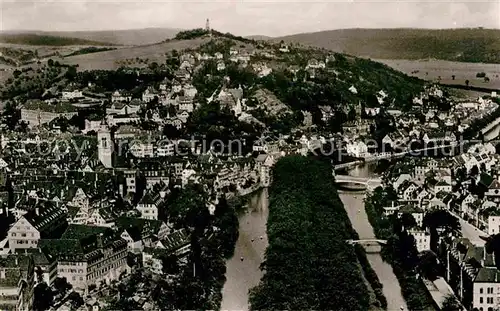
(46, 40)
(308, 263)
(464, 45)
(125, 37)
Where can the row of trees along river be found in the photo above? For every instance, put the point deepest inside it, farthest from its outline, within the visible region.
(307, 264)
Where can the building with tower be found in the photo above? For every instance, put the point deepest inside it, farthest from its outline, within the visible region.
(207, 27)
(105, 146)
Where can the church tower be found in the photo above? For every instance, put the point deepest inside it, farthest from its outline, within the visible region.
(105, 146)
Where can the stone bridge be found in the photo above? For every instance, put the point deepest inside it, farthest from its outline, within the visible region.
(371, 246)
(363, 182)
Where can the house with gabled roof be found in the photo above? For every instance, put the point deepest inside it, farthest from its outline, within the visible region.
(133, 236)
(120, 96)
(442, 186)
(176, 244)
(399, 180)
(124, 108)
(147, 227)
(493, 192)
(86, 255)
(45, 220)
(151, 202)
(149, 94)
(405, 192)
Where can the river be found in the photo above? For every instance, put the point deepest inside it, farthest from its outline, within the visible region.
(353, 203)
(241, 276)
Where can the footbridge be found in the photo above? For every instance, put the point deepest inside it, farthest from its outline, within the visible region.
(359, 182)
(371, 246)
(367, 242)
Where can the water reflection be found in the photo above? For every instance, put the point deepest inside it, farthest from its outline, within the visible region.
(242, 275)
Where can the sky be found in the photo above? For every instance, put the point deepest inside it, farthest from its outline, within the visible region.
(246, 17)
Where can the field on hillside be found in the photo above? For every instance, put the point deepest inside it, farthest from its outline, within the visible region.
(109, 60)
(433, 69)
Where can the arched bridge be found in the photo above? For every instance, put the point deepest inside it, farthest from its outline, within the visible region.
(370, 183)
(367, 242)
(371, 246)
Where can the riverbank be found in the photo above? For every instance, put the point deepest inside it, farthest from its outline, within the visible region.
(354, 206)
(308, 264)
(241, 276)
(412, 288)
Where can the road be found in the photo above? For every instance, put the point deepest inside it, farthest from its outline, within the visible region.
(472, 233)
(241, 276)
(354, 205)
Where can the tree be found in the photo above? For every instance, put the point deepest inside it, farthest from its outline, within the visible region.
(441, 219)
(493, 246)
(451, 303)
(76, 300)
(351, 115)
(11, 115)
(474, 171)
(480, 75)
(408, 221)
(43, 297)
(453, 77)
(70, 73)
(170, 264)
(61, 285)
(50, 62)
(428, 265)
(467, 82)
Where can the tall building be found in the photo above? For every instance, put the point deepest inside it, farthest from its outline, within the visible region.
(105, 146)
(207, 27)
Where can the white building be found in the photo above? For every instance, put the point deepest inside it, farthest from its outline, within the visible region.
(71, 94)
(166, 149)
(118, 96)
(422, 239)
(142, 149)
(105, 146)
(357, 149)
(493, 225)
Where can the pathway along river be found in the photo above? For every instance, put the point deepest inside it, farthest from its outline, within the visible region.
(252, 242)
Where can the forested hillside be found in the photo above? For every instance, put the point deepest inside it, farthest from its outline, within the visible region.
(465, 45)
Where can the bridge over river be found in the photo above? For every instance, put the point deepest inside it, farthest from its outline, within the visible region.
(357, 183)
(371, 246)
(355, 208)
(393, 155)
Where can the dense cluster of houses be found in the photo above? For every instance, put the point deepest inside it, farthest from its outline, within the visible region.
(80, 208)
(468, 186)
(80, 204)
(423, 126)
